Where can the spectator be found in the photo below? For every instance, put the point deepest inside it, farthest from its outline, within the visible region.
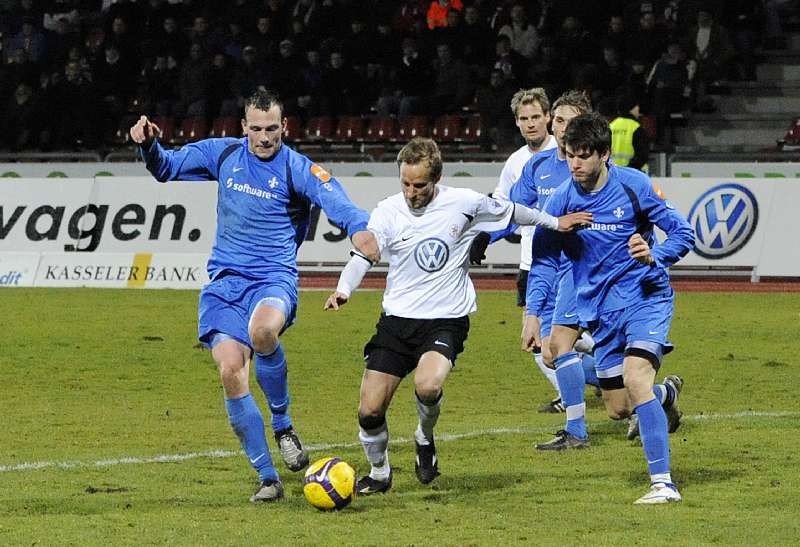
(29, 43)
(476, 38)
(523, 35)
(221, 101)
(497, 130)
(342, 87)
(744, 20)
(647, 39)
(249, 76)
(76, 108)
(265, 41)
(193, 83)
(669, 89)
(711, 52)
(23, 122)
(286, 77)
(451, 85)
(437, 12)
(509, 62)
(629, 143)
(615, 35)
(410, 81)
(161, 82)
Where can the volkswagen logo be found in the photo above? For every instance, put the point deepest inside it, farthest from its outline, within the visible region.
(724, 218)
(431, 254)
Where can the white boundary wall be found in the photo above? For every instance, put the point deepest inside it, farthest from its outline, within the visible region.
(135, 232)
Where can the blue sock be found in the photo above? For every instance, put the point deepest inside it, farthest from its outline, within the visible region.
(569, 374)
(247, 423)
(589, 373)
(665, 394)
(653, 431)
(271, 376)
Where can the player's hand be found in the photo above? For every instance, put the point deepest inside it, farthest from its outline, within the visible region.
(366, 244)
(477, 251)
(640, 250)
(531, 334)
(571, 221)
(335, 300)
(144, 131)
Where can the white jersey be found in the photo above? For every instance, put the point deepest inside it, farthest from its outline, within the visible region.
(428, 250)
(510, 174)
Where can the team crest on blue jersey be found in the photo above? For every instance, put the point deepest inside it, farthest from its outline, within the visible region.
(431, 254)
(273, 182)
(723, 218)
(619, 212)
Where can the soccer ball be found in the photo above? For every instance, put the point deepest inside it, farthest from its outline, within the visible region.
(329, 484)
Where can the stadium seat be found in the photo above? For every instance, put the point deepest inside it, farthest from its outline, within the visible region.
(226, 126)
(167, 126)
(413, 126)
(191, 129)
(319, 128)
(293, 131)
(349, 129)
(447, 128)
(381, 129)
(471, 130)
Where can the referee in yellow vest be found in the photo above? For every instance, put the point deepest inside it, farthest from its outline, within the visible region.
(630, 146)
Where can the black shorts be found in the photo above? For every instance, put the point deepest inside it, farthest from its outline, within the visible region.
(399, 342)
(522, 287)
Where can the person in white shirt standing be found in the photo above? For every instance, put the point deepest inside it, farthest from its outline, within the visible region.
(531, 108)
(425, 231)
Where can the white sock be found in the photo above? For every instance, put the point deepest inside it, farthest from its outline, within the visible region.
(549, 373)
(376, 448)
(428, 416)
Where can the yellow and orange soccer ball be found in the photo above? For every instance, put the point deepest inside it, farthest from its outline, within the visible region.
(329, 483)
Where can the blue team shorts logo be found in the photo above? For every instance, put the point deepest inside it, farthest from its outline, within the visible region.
(431, 254)
(724, 218)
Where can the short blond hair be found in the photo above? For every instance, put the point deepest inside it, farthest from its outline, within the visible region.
(530, 96)
(422, 150)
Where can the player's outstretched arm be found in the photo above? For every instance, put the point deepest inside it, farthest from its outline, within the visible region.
(366, 243)
(531, 333)
(350, 278)
(573, 221)
(144, 131)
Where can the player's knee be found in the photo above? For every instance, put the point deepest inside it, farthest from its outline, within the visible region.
(264, 339)
(428, 389)
(233, 375)
(371, 421)
(547, 356)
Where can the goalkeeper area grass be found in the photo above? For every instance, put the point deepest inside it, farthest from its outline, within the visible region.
(114, 432)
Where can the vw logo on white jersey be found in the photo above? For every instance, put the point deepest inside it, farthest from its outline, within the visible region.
(723, 218)
(431, 254)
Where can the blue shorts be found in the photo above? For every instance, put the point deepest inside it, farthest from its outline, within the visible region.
(228, 302)
(566, 306)
(640, 329)
(546, 318)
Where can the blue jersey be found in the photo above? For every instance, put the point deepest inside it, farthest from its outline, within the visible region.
(540, 176)
(606, 277)
(263, 206)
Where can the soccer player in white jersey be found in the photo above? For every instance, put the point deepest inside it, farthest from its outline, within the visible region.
(425, 231)
(531, 108)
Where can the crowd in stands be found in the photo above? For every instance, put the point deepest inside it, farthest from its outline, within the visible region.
(74, 71)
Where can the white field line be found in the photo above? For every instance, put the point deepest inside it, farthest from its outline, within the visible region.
(445, 437)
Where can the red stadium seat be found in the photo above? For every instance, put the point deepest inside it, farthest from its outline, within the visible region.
(471, 130)
(791, 141)
(167, 126)
(191, 129)
(413, 126)
(227, 126)
(447, 128)
(293, 131)
(319, 128)
(381, 129)
(349, 129)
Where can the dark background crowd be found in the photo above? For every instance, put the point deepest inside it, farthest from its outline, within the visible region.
(74, 71)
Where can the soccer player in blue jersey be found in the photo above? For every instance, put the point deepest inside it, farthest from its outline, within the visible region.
(265, 192)
(623, 289)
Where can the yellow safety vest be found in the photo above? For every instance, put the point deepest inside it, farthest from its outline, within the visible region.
(622, 140)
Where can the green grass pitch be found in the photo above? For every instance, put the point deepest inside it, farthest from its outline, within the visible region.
(114, 433)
